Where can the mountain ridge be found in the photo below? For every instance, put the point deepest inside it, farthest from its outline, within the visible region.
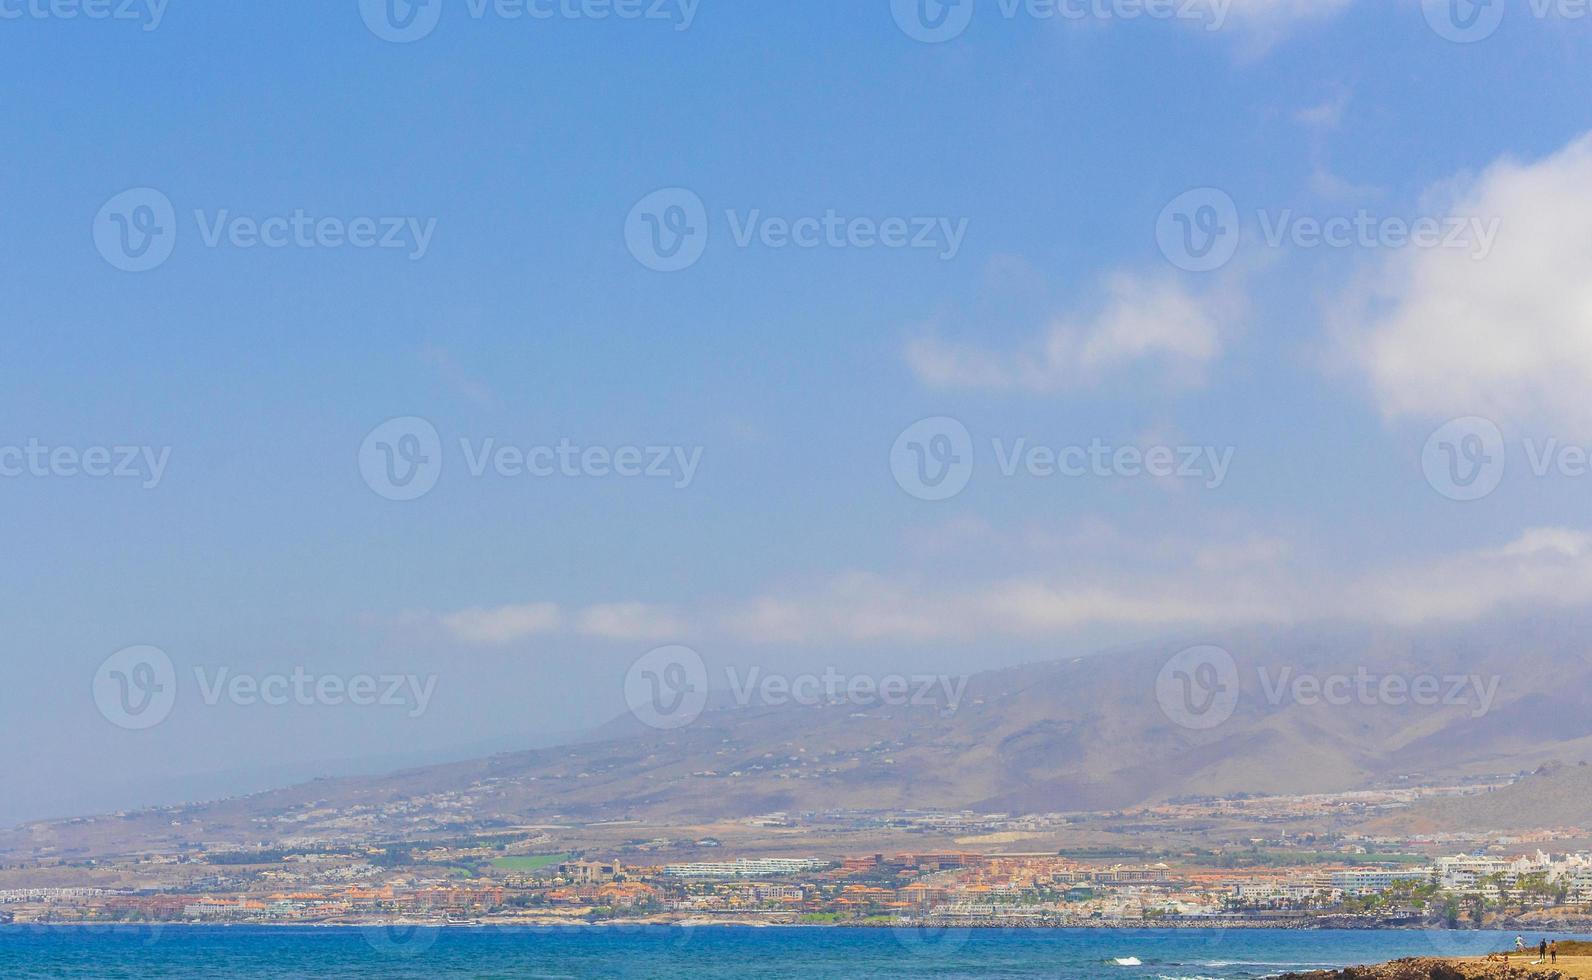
(1084, 734)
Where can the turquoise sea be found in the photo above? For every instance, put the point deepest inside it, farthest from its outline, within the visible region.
(207, 953)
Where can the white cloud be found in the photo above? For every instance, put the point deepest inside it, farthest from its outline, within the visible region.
(1542, 567)
(1441, 334)
(1250, 581)
(1136, 587)
(858, 607)
(630, 621)
(504, 624)
(1035, 608)
(853, 606)
(1325, 115)
(1142, 320)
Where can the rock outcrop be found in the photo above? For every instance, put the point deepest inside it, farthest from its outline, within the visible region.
(1430, 969)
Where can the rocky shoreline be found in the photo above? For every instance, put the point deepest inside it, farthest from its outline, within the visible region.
(1432, 969)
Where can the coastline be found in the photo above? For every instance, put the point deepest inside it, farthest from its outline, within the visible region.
(1579, 929)
(718, 952)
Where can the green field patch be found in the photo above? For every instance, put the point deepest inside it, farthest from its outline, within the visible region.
(528, 862)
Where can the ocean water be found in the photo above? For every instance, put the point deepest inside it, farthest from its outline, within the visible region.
(209, 953)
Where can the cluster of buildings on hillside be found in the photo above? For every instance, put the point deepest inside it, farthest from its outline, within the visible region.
(1038, 888)
(744, 868)
(1485, 875)
(1537, 879)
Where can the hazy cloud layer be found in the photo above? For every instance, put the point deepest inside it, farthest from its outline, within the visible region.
(1549, 566)
(1168, 584)
(504, 625)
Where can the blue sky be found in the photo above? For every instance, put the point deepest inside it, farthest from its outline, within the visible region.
(1056, 144)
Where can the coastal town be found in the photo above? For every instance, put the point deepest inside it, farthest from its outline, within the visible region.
(518, 876)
